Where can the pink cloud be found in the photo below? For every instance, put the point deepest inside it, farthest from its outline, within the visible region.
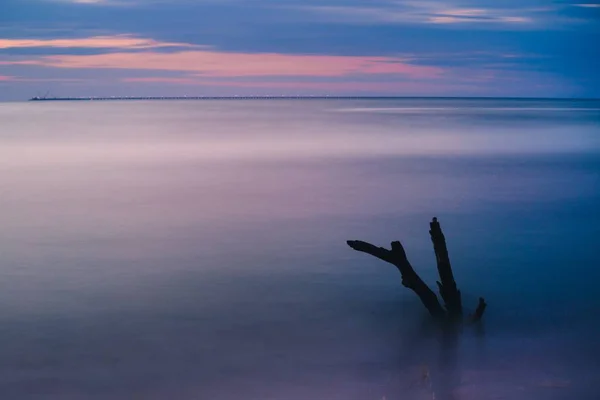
(464, 12)
(95, 42)
(63, 80)
(221, 64)
(160, 79)
(347, 87)
(4, 78)
(455, 16)
(452, 81)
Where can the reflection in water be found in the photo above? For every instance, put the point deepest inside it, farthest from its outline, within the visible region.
(197, 249)
(449, 375)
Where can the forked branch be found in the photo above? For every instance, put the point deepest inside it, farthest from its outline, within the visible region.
(410, 279)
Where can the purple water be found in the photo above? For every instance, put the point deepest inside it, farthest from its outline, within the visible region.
(196, 250)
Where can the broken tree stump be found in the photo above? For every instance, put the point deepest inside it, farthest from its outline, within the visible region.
(447, 285)
(452, 308)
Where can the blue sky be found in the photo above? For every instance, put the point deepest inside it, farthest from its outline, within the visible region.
(527, 48)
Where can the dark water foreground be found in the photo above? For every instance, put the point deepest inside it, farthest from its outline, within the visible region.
(196, 250)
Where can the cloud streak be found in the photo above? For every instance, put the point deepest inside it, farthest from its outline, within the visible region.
(430, 12)
(258, 46)
(96, 42)
(101, 2)
(319, 88)
(474, 15)
(223, 64)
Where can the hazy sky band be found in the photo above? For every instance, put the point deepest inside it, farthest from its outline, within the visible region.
(335, 47)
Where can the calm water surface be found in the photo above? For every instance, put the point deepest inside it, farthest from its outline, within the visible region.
(196, 250)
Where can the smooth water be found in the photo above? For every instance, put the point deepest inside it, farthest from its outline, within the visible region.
(196, 250)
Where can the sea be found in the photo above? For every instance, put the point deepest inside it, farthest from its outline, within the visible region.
(196, 250)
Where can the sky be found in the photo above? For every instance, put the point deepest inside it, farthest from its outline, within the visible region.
(512, 48)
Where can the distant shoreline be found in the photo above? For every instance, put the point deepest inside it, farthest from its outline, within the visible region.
(170, 98)
(134, 98)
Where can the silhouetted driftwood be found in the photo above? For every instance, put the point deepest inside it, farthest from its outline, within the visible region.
(410, 279)
(449, 292)
(447, 287)
(479, 311)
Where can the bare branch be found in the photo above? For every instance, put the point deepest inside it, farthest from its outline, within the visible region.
(447, 285)
(410, 279)
(379, 252)
(479, 311)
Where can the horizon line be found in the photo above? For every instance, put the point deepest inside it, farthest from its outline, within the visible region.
(291, 97)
